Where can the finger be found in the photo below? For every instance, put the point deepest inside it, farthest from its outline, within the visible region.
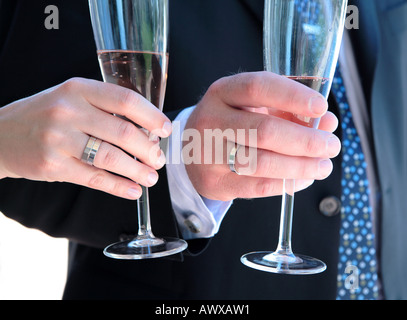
(329, 122)
(267, 164)
(82, 174)
(266, 89)
(280, 135)
(115, 160)
(234, 186)
(123, 134)
(122, 101)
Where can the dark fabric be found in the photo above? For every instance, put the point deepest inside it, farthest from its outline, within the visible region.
(209, 39)
(389, 116)
(366, 44)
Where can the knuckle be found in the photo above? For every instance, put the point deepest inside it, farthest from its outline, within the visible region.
(215, 87)
(254, 86)
(294, 95)
(60, 111)
(200, 120)
(71, 85)
(267, 130)
(266, 188)
(126, 131)
(267, 165)
(301, 170)
(128, 99)
(110, 159)
(311, 145)
(115, 189)
(50, 138)
(97, 180)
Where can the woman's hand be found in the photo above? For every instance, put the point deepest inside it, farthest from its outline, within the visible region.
(44, 136)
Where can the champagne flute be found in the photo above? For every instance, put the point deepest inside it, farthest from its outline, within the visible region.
(132, 45)
(302, 40)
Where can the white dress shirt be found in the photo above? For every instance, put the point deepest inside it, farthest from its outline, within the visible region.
(197, 216)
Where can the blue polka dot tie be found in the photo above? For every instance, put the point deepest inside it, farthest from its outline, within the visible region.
(357, 270)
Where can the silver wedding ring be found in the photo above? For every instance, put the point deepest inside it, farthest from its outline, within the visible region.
(90, 151)
(232, 158)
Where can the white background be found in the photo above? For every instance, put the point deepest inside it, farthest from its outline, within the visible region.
(32, 265)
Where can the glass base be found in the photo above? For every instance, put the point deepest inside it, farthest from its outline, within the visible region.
(145, 248)
(283, 263)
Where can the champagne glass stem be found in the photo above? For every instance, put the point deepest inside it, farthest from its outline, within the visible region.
(286, 220)
(143, 209)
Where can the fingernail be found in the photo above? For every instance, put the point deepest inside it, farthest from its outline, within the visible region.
(317, 105)
(167, 129)
(325, 168)
(161, 160)
(302, 184)
(134, 193)
(333, 146)
(152, 178)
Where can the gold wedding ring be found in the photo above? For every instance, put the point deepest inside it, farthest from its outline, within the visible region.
(92, 147)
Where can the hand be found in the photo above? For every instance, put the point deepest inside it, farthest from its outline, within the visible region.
(43, 137)
(283, 149)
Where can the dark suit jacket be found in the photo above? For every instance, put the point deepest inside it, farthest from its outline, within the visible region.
(388, 24)
(209, 39)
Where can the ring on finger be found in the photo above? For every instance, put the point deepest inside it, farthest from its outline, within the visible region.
(232, 158)
(92, 147)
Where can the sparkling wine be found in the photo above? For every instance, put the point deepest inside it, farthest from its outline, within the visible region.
(322, 85)
(142, 71)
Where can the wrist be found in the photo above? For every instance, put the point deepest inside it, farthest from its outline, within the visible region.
(197, 216)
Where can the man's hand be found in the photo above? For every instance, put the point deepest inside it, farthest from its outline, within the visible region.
(283, 149)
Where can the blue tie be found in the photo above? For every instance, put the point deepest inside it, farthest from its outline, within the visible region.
(357, 269)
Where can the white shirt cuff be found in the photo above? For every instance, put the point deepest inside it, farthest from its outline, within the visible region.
(197, 216)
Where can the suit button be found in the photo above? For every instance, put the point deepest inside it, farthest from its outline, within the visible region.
(193, 223)
(330, 206)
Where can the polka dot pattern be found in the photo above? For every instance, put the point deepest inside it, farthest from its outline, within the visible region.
(357, 270)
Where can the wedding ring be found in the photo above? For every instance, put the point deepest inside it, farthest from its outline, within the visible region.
(90, 151)
(232, 158)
